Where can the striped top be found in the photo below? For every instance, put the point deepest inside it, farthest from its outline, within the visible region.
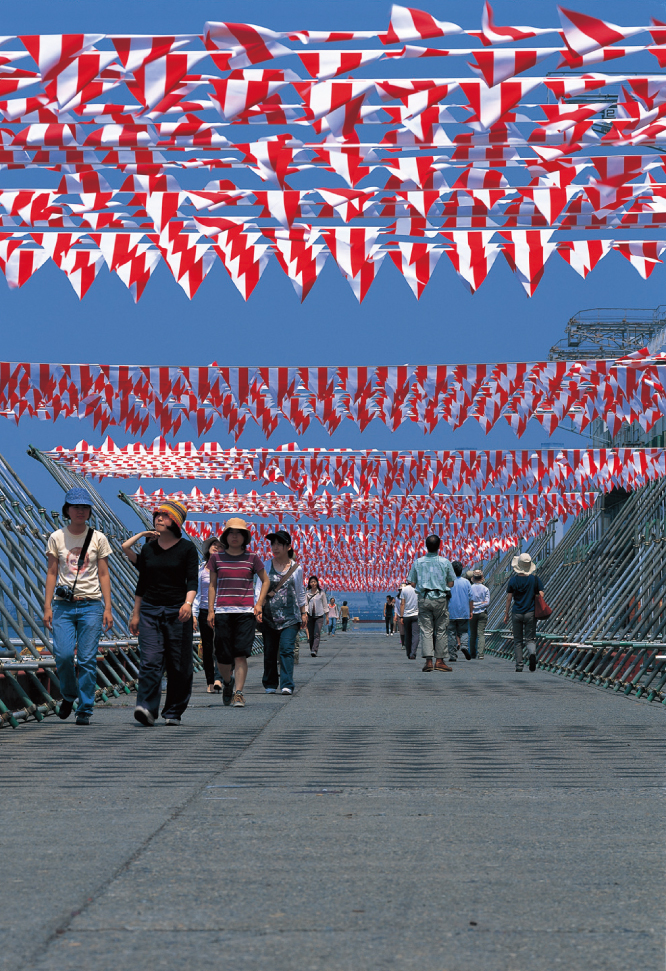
(235, 581)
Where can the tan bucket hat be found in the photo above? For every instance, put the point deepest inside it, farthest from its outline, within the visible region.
(236, 523)
(523, 565)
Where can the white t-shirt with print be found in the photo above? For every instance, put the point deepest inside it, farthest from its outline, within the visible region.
(67, 547)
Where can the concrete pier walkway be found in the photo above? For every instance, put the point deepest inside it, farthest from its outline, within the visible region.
(381, 818)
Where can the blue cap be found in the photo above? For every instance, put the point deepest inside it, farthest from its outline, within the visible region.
(78, 497)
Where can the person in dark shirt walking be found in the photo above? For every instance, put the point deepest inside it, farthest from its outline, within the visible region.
(162, 617)
(522, 588)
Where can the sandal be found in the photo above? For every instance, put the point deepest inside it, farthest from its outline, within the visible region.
(218, 686)
(210, 689)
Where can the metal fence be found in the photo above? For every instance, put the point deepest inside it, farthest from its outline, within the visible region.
(606, 583)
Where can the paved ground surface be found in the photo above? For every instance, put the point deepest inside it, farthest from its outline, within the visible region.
(381, 818)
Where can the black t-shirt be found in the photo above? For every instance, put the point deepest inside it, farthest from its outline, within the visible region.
(524, 590)
(167, 576)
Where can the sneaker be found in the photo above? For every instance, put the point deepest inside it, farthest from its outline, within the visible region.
(518, 670)
(227, 691)
(428, 665)
(270, 691)
(532, 662)
(239, 700)
(412, 657)
(83, 719)
(313, 653)
(143, 716)
(466, 654)
(287, 691)
(440, 665)
(172, 721)
(65, 709)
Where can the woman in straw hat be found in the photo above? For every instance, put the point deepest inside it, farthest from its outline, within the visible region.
(162, 617)
(232, 612)
(522, 588)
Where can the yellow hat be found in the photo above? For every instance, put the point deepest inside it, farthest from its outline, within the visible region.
(176, 511)
(235, 523)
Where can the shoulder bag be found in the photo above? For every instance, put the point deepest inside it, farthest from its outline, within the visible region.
(541, 609)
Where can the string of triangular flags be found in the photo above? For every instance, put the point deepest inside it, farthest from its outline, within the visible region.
(631, 388)
(486, 157)
(374, 472)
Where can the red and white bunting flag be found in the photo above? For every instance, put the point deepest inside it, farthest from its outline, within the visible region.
(324, 65)
(408, 23)
(576, 63)
(643, 255)
(472, 255)
(243, 258)
(156, 79)
(560, 117)
(550, 201)
(584, 254)
(162, 207)
(497, 66)
(188, 260)
(55, 52)
(136, 271)
(250, 44)
(302, 262)
(117, 248)
(20, 265)
(348, 203)
(526, 253)
(583, 33)
(285, 206)
(492, 34)
(76, 76)
(81, 267)
(339, 102)
(491, 104)
(416, 262)
(135, 52)
(351, 248)
(564, 88)
(243, 89)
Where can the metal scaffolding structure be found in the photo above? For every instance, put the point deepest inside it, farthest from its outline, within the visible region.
(609, 332)
(606, 583)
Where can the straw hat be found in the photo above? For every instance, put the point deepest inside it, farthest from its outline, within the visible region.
(235, 523)
(523, 565)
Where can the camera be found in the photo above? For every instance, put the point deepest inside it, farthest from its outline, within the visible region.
(64, 593)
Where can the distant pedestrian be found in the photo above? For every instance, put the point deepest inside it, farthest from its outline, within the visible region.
(200, 615)
(332, 615)
(78, 575)
(480, 605)
(432, 576)
(344, 614)
(409, 620)
(232, 611)
(317, 607)
(162, 617)
(389, 610)
(460, 614)
(285, 612)
(522, 588)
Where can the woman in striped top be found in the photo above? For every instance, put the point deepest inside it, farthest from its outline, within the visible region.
(232, 612)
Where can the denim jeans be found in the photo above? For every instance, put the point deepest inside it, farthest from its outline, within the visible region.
(164, 642)
(331, 625)
(279, 642)
(524, 633)
(77, 624)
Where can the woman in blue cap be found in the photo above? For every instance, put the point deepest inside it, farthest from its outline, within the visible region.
(77, 602)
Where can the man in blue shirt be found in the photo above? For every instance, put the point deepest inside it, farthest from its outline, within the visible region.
(460, 613)
(432, 575)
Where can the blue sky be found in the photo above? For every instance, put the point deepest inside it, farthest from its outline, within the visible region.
(45, 321)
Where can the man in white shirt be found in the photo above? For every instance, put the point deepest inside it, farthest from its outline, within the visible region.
(409, 619)
(480, 603)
